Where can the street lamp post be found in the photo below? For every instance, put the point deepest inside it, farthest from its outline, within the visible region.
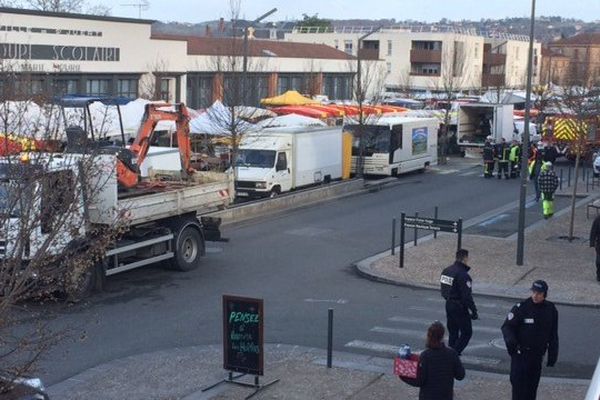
(245, 51)
(525, 145)
(360, 98)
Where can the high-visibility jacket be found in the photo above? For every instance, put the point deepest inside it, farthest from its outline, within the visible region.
(515, 153)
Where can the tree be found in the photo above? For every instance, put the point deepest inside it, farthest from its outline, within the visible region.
(239, 80)
(580, 103)
(314, 21)
(72, 6)
(368, 88)
(47, 246)
(455, 73)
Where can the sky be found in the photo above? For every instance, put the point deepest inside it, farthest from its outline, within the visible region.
(432, 10)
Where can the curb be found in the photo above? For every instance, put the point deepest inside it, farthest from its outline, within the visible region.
(362, 267)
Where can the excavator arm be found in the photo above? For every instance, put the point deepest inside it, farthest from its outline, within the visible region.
(128, 175)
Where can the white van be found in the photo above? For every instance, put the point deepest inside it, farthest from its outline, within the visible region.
(277, 160)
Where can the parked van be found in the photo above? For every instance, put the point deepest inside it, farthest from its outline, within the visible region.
(395, 145)
(277, 160)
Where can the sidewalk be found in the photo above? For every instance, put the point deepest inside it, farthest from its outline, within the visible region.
(180, 374)
(568, 267)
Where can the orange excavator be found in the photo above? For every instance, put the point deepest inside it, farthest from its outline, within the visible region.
(128, 159)
(128, 173)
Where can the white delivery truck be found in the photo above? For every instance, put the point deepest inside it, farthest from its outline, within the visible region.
(395, 145)
(277, 160)
(477, 121)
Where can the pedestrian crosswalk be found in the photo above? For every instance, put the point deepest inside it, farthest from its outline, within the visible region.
(485, 348)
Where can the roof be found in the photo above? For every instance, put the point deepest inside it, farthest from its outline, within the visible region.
(23, 11)
(547, 52)
(592, 38)
(211, 46)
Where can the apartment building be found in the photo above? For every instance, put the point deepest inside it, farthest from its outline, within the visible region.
(583, 54)
(432, 60)
(64, 53)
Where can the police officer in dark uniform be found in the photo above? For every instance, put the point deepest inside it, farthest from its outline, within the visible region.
(488, 159)
(455, 285)
(530, 329)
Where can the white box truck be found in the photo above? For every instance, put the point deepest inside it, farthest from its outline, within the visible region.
(476, 121)
(277, 160)
(395, 145)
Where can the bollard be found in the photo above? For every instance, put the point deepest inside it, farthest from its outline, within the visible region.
(393, 236)
(587, 183)
(329, 337)
(459, 241)
(435, 215)
(569, 177)
(561, 179)
(416, 216)
(583, 173)
(402, 240)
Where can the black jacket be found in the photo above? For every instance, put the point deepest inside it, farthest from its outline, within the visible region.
(488, 152)
(437, 370)
(503, 152)
(532, 329)
(595, 234)
(455, 284)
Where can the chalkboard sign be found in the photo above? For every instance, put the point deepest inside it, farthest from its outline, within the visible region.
(243, 334)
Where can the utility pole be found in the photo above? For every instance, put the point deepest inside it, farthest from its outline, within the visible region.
(360, 97)
(245, 55)
(525, 145)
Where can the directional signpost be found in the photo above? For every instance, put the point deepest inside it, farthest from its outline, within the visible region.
(429, 224)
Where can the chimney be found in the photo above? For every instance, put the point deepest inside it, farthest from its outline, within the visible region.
(221, 25)
(208, 31)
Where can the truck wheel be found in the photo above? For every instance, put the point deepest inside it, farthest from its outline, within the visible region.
(91, 280)
(275, 192)
(189, 247)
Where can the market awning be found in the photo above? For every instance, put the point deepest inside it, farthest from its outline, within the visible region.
(289, 98)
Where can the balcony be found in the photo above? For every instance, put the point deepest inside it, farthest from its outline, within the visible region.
(368, 54)
(488, 80)
(494, 59)
(425, 56)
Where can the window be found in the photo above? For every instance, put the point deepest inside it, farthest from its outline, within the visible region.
(127, 88)
(199, 90)
(58, 194)
(427, 45)
(389, 49)
(98, 87)
(348, 47)
(65, 86)
(338, 86)
(281, 162)
(425, 69)
(165, 89)
(389, 67)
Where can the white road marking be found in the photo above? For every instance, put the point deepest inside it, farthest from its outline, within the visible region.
(424, 322)
(336, 301)
(443, 311)
(479, 305)
(469, 173)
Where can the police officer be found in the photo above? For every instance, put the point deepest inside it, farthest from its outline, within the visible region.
(530, 329)
(455, 285)
(488, 159)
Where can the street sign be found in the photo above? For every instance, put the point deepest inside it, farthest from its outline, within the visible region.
(431, 224)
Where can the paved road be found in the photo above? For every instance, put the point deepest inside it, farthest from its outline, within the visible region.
(300, 263)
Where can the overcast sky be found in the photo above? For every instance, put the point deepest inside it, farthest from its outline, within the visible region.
(430, 10)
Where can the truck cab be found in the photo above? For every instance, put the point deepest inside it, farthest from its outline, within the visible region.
(264, 166)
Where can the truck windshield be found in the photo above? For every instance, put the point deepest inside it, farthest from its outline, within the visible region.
(256, 158)
(377, 139)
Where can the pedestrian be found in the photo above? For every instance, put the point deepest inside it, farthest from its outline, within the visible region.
(488, 159)
(515, 159)
(455, 284)
(595, 242)
(534, 165)
(503, 154)
(438, 367)
(530, 329)
(548, 183)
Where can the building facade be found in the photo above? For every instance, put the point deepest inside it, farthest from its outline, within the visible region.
(432, 60)
(64, 53)
(583, 54)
